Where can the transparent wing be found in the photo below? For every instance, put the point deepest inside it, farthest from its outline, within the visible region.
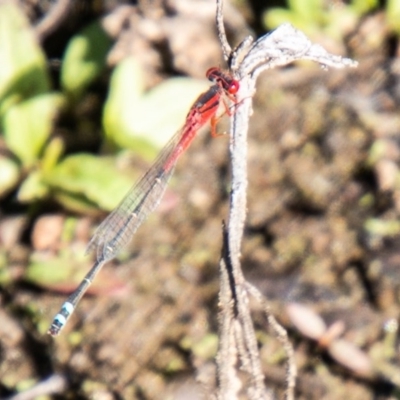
(118, 228)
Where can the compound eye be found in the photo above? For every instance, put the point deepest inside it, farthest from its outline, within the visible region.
(233, 87)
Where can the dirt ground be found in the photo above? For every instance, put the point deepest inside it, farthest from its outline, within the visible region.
(321, 243)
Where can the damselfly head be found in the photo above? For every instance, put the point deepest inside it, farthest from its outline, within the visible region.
(223, 79)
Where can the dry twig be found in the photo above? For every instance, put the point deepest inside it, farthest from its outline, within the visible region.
(55, 384)
(56, 15)
(237, 337)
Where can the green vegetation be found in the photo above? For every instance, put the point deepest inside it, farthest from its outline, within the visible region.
(41, 166)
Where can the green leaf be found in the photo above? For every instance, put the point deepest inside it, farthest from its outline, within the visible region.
(83, 179)
(133, 119)
(9, 175)
(393, 15)
(47, 273)
(126, 91)
(76, 203)
(380, 227)
(136, 120)
(52, 153)
(364, 6)
(316, 17)
(28, 125)
(84, 59)
(275, 17)
(64, 272)
(164, 109)
(61, 272)
(33, 188)
(307, 10)
(23, 66)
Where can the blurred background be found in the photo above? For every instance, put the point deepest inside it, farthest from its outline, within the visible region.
(90, 91)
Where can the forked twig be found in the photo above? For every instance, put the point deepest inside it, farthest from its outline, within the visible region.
(282, 336)
(237, 337)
